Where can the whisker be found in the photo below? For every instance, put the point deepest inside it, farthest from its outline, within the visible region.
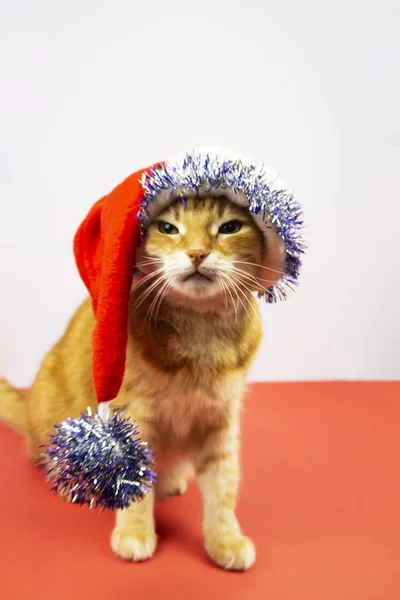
(247, 275)
(152, 273)
(230, 294)
(145, 294)
(241, 262)
(222, 286)
(249, 278)
(235, 288)
(147, 257)
(149, 262)
(158, 298)
(249, 302)
(229, 267)
(163, 294)
(148, 277)
(241, 302)
(239, 280)
(260, 287)
(154, 303)
(148, 313)
(148, 291)
(233, 278)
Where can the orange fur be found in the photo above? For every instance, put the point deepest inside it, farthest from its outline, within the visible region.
(190, 345)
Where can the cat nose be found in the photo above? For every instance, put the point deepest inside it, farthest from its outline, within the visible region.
(197, 256)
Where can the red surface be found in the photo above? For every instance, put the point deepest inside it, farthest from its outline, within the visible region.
(320, 497)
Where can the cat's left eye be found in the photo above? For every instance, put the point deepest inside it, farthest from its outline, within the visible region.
(168, 228)
(230, 227)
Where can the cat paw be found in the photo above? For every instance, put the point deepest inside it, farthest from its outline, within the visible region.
(133, 545)
(232, 553)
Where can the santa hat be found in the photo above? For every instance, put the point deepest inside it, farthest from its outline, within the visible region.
(105, 243)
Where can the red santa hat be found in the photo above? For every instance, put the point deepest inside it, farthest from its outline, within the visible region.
(106, 241)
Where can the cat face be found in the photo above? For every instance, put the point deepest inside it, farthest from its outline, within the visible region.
(203, 249)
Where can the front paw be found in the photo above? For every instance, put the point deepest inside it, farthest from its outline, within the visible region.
(132, 544)
(233, 553)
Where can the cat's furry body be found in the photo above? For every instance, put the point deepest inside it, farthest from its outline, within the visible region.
(188, 354)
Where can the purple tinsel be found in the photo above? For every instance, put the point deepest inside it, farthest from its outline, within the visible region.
(98, 462)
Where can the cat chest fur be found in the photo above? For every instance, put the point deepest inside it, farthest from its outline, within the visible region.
(189, 371)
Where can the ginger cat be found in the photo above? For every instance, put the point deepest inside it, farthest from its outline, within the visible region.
(194, 329)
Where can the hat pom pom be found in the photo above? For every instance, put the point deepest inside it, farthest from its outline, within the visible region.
(98, 460)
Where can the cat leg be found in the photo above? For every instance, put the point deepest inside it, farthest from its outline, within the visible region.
(218, 475)
(134, 536)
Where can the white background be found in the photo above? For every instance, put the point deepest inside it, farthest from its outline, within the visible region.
(93, 90)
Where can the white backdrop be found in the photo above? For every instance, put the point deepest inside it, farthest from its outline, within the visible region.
(92, 90)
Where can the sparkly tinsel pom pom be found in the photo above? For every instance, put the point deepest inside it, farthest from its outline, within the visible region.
(98, 461)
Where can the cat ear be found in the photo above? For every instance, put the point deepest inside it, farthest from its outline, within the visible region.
(104, 248)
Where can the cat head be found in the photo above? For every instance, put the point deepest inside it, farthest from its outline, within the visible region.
(208, 249)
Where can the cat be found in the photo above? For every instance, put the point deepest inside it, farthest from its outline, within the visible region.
(194, 329)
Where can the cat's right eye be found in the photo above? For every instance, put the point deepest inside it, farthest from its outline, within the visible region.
(167, 228)
(231, 227)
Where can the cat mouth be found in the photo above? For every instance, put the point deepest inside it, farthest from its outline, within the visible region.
(197, 276)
